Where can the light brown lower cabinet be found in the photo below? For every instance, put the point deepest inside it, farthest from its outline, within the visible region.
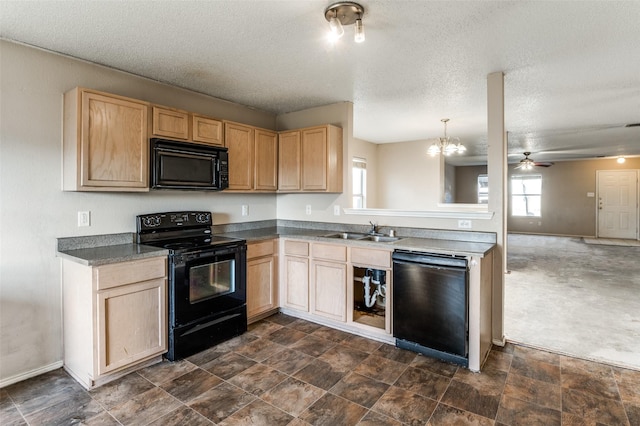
(114, 318)
(317, 282)
(295, 275)
(262, 279)
(328, 281)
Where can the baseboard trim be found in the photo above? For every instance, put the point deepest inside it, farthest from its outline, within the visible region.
(29, 374)
(380, 337)
(499, 342)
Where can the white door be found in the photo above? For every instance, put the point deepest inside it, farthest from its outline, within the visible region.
(617, 203)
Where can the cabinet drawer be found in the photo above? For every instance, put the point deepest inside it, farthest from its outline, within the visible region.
(329, 252)
(117, 274)
(263, 248)
(296, 248)
(368, 257)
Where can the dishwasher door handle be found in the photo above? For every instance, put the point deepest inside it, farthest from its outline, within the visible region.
(429, 259)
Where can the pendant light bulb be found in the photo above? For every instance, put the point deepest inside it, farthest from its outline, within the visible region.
(359, 34)
(336, 30)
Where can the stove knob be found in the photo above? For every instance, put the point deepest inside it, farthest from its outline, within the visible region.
(202, 217)
(151, 221)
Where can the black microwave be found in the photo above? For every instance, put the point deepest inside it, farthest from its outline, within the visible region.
(184, 165)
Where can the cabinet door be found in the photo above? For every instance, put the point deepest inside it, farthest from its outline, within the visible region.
(206, 130)
(131, 324)
(170, 123)
(239, 140)
(314, 159)
(114, 144)
(266, 158)
(329, 297)
(261, 286)
(296, 288)
(289, 161)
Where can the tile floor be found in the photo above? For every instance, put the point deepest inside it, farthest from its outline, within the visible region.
(286, 371)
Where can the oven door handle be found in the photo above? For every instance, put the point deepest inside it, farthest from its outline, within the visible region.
(183, 258)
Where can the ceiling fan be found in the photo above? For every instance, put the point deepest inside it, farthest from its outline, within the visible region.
(528, 164)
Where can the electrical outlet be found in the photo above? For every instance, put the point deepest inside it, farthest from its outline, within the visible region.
(307, 209)
(84, 219)
(464, 224)
(336, 210)
(245, 210)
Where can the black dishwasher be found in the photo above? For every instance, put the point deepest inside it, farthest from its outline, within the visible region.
(430, 304)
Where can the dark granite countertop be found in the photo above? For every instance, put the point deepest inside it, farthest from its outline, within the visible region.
(104, 249)
(103, 255)
(433, 245)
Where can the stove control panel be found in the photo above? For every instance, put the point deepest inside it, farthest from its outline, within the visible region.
(173, 220)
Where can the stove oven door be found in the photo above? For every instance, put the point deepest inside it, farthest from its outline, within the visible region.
(207, 284)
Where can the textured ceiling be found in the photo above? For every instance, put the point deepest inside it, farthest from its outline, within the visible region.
(572, 69)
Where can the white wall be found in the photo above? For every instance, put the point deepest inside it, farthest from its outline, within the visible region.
(35, 211)
(408, 178)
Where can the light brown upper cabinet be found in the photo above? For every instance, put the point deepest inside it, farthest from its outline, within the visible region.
(105, 142)
(206, 130)
(318, 151)
(253, 157)
(239, 139)
(183, 125)
(289, 161)
(266, 160)
(170, 123)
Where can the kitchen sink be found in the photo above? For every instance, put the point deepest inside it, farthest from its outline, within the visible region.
(362, 237)
(346, 236)
(379, 238)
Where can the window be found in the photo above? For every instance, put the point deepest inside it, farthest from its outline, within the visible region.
(483, 189)
(526, 195)
(359, 168)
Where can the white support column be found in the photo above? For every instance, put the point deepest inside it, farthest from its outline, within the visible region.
(497, 172)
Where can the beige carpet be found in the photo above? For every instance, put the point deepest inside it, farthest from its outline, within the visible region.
(574, 298)
(611, 242)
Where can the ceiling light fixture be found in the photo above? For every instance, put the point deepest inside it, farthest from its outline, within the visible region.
(621, 160)
(446, 145)
(526, 163)
(345, 13)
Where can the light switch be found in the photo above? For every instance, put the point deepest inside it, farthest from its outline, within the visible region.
(591, 194)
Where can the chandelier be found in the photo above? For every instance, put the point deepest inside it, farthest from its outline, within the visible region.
(446, 145)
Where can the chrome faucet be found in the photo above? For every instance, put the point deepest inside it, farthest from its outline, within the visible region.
(374, 228)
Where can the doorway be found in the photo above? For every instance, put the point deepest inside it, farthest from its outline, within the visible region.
(617, 204)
